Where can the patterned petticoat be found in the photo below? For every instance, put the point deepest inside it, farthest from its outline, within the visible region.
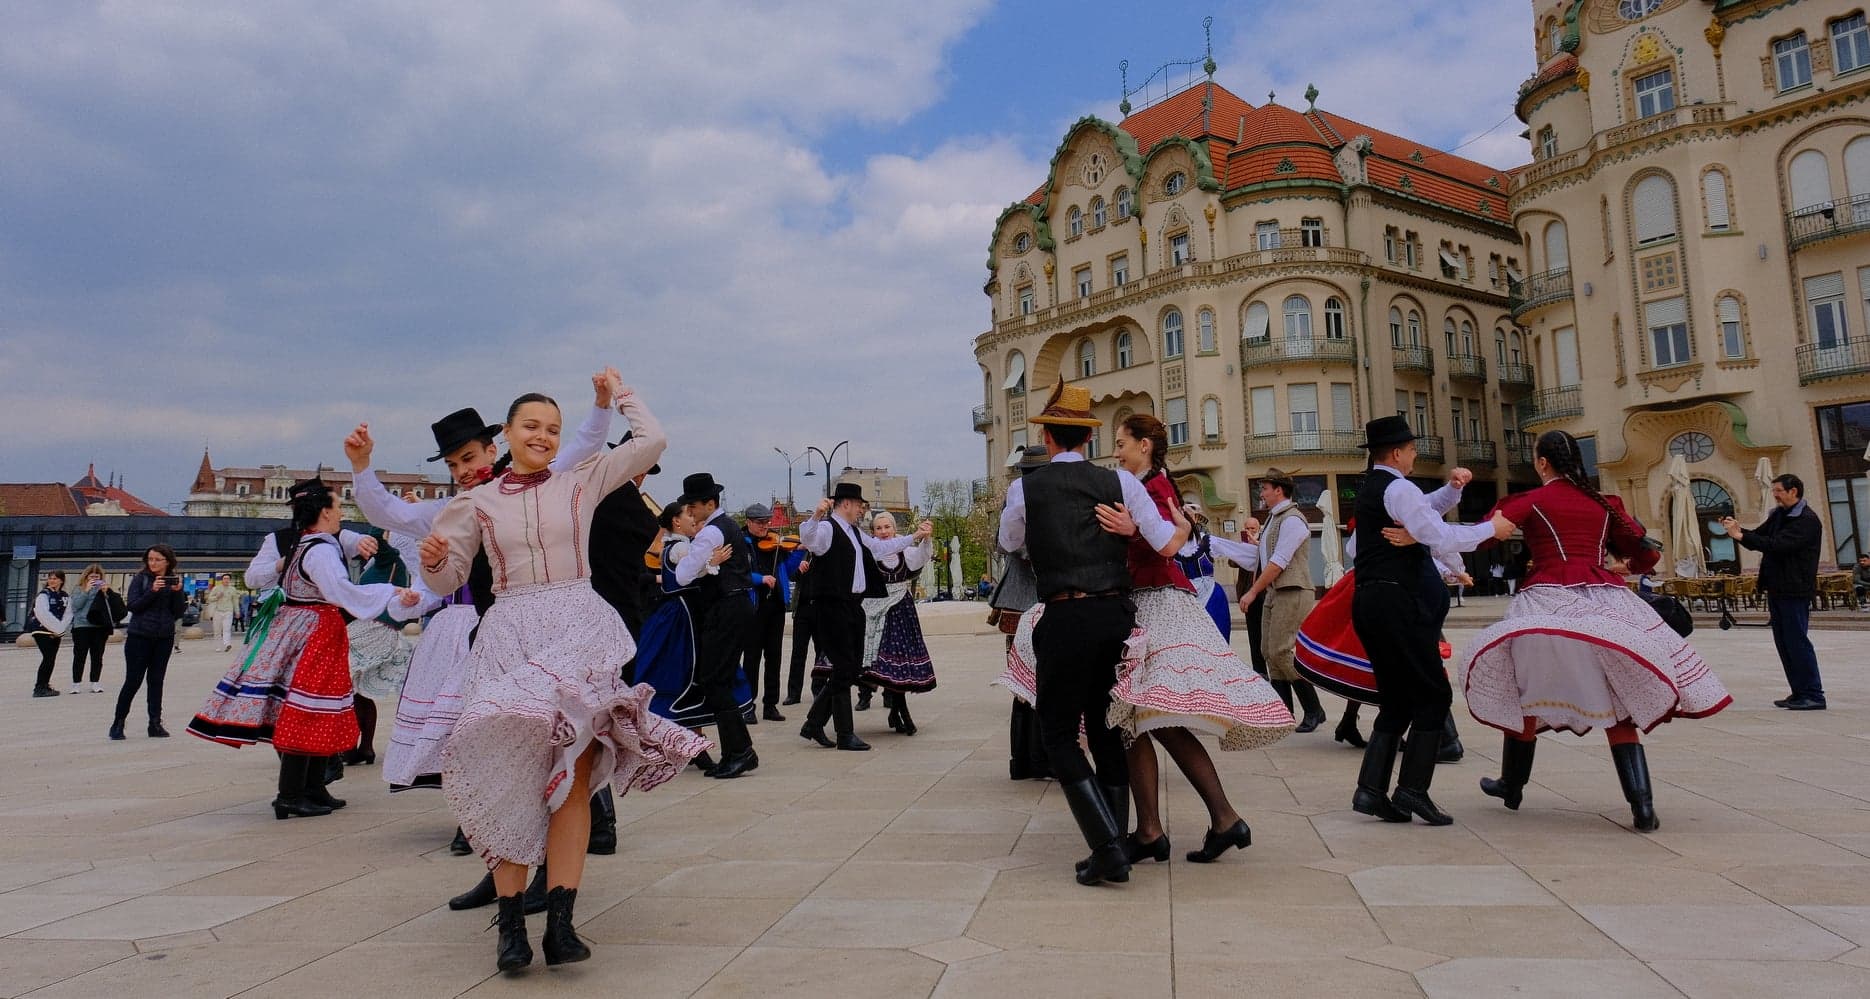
(896, 656)
(379, 659)
(544, 683)
(1576, 657)
(294, 691)
(430, 702)
(1190, 678)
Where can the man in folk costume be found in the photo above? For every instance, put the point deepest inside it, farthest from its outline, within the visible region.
(775, 559)
(1397, 610)
(1074, 519)
(1283, 577)
(844, 571)
(724, 615)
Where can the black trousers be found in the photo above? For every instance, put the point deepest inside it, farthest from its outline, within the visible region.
(1256, 657)
(718, 645)
(1400, 627)
(766, 641)
(802, 621)
(48, 657)
(1079, 643)
(144, 656)
(88, 642)
(838, 633)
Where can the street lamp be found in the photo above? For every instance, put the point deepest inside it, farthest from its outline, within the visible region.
(827, 459)
(791, 510)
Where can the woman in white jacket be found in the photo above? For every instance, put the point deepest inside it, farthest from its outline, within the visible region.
(51, 611)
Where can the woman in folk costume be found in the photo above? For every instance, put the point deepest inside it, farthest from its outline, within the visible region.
(665, 659)
(896, 656)
(1576, 648)
(294, 689)
(379, 652)
(1188, 679)
(1196, 560)
(546, 712)
(1016, 593)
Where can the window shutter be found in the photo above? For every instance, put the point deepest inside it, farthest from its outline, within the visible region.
(1258, 315)
(1655, 209)
(1264, 420)
(1826, 286)
(1714, 192)
(1341, 418)
(1730, 310)
(1668, 312)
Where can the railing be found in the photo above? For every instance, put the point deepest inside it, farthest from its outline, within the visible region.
(1516, 373)
(1642, 129)
(1817, 223)
(1551, 404)
(1278, 350)
(1846, 357)
(983, 418)
(1413, 359)
(1519, 454)
(1546, 168)
(1474, 453)
(1467, 366)
(1541, 289)
(1430, 448)
(1291, 238)
(1321, 442)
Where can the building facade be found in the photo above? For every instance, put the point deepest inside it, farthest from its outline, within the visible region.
(1697, 225)
(1264, 280)
(261, 492)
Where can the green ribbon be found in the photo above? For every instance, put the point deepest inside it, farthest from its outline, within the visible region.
(261, 624)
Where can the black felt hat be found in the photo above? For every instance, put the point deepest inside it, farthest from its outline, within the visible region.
(460, 427)
(655, 469)
(1387, 431)
(700, 488)
(848, 491)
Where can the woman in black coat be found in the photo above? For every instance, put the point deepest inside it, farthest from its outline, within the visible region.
(156, 602)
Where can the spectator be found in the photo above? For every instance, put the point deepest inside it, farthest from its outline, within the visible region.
(1788, 544)
(221, 603)
(156, 601)
(1860, 580)
(95, 611)
(51, 611)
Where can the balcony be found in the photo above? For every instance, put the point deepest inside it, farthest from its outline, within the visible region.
(1541, 289)
(1845, 358)
(1475, 453)
(1320, 442)
(1265, 351)
(1549, 405)
(1519, 455)
(1516, 375)
(1828, 221)
(983, 419)
(1413, 359)
(1467, 366)
(1431, 448)
(1642, 129)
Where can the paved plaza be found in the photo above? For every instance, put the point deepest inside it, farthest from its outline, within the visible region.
(155, 868)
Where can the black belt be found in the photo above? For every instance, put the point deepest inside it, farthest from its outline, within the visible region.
(1082, 595)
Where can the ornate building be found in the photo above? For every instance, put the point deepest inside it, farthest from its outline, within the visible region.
(261, 492)
(1697, 221)
(1264, 280)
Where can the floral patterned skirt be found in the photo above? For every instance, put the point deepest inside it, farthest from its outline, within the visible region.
(293, 691)
(379, 659)
(430, 702)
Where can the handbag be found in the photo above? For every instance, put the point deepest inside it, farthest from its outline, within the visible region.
(98, 614)
(1672, 613)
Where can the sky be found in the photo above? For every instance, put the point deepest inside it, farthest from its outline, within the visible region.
(248, 227)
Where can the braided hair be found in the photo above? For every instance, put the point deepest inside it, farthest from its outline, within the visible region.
(1561, 449)
(1144, 427)
(309, 501)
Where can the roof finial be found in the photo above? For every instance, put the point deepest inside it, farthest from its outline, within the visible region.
(1311, 96)
(1123, 68)
(1271, 97)
(1207, 31)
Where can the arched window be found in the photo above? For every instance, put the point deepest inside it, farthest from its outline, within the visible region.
(1097, 213)
(1125, 350)
(1714, 200)
(1447, 335)
(1515, 347)
(1811, 180)
(1075, 220)
(1396, 327)
(1087, 359)
(1415, 328)
(1211, 419)
(1655, 209)
(1557, 255)
(1175, 183)
(1554, 37)
(1123, 202)
(1298, 311)
(1334, 319)
(1499, 345)
(1467, 339)
(1172, 333)
(1733, 333)
(1258, 318)
(1204, 325)
(1015, 374)
(1857, 168)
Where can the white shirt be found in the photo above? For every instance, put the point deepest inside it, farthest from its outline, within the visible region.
(816, 536)
(1136, 499)
(1241, 553)
(700, 549)
(1289, 540)
(362, 600)
(1422, 515)
(263, 571)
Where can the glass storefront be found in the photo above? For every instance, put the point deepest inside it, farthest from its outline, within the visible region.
(1844, 442)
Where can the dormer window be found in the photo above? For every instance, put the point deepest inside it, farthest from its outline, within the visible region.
(1022, 242)
(1176, 183)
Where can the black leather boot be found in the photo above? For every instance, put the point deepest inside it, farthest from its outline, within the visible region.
(1414, 777)
(1284, 689)
(1109, 860)
(603, 824)
(1018, 763)
(824, 704)
(1515, 771)
(315, 791)
(841, 720)
(460, 847)
(291, 800)
(1373, 780)
(512, 952)
(1308, 699)
(863, 698)
(561, 943)
(1451, 748)
(482, 893)
(902, 709)
(1633, 774)
(1347, 727)
(535, 892)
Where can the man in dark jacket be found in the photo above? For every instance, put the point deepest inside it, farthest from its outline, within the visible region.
(1788, 544)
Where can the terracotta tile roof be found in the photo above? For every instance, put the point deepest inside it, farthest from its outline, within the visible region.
(1261, 164)
(38, 499)
(1559, 67)
(1403, 150)
(1180, 114)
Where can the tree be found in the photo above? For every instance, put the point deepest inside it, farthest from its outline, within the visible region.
(948, 504)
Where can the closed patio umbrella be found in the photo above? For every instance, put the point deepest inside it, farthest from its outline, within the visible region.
(1684, 532)
(1330, 543)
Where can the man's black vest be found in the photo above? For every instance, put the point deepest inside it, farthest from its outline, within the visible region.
(622, 528)
(1069, 550)
(736, 573)
(830, 578)
(1377, 559)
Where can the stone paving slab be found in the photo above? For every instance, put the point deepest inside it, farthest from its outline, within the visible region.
(154, 867)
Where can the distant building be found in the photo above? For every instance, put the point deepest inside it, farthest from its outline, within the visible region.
(261, 492)
(108, 499)
(88, 497)
(883, 490)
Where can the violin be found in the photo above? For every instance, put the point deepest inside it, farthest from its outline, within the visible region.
(786, 543)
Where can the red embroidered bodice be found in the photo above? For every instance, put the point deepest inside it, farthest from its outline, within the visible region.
(1568, 534)
(1148, 567)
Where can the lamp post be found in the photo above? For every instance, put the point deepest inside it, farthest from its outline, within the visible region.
(791, 510)
(827, 459)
